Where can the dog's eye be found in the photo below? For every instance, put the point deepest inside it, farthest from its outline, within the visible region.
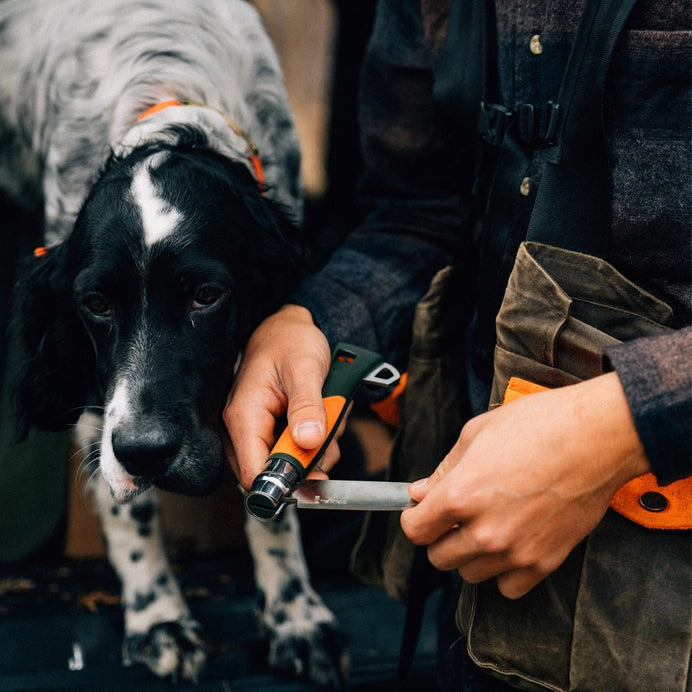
(206, 296)
(96, 304)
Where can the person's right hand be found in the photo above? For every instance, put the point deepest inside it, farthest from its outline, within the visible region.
(526, 482)
(282, 370)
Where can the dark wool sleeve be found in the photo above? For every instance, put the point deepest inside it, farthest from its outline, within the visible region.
(411, 212)
(656, 374)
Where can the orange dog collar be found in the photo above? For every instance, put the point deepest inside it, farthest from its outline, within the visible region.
(253, 153)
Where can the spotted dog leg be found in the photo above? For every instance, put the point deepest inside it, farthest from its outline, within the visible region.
(302, 633)
(159, 630)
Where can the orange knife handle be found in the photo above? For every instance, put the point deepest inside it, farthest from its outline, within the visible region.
(286, 448)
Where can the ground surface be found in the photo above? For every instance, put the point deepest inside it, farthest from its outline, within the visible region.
(48, 607)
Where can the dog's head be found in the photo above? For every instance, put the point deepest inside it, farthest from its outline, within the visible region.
(174, 258)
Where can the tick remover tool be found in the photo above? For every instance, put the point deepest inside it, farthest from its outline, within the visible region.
(289, 464)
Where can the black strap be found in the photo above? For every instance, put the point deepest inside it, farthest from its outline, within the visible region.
(461, 85)
(419, 589)
(572, 207)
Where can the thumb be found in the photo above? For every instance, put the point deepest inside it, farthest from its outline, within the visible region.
(307, 419)
(419, 489)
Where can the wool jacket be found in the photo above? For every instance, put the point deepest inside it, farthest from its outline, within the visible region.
(416, 210)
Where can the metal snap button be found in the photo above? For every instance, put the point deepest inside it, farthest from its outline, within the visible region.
(653, 502)
(525, 186)
(535, 45)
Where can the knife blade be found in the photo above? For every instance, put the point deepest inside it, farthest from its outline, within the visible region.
(352, 495)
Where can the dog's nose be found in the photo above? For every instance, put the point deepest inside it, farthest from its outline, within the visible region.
(147, 449)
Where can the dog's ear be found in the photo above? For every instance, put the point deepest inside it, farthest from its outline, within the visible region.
(56, 360)
(283, 256)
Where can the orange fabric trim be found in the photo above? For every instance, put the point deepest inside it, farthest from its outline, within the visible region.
(632, 499)
(255, 160)
(388, 409)
(517, 387)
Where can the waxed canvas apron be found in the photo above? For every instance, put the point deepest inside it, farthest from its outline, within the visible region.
(617, 614)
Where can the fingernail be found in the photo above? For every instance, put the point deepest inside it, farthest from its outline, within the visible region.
(417, 485)
(308, 429)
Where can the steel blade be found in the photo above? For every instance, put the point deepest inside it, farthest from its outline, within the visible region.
(352, 495)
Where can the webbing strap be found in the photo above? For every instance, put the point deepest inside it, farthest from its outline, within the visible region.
(461, 79)
(572, 208)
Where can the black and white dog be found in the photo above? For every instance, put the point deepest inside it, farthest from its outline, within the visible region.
(157, 137)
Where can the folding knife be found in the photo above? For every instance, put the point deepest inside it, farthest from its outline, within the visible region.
(288, 465)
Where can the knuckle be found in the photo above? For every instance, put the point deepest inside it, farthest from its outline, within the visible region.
(471, 428)
(547, 564)
(437, 561)
(469, 575)
(523, 559)
(411, 528)
(300, 368)
(302, 403)
(488, 540)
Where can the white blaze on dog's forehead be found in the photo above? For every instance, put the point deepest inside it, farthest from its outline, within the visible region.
(159, 218)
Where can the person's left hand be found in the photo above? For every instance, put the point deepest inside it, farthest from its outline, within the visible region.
(525, 483)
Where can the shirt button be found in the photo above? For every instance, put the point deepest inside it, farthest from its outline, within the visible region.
(525, 186)
(535, 44)
(653, 502)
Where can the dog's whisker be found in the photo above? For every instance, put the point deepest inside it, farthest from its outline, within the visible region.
(86, 475)
(91, 459)
(90, 481)
(82, 424)
(84, 409)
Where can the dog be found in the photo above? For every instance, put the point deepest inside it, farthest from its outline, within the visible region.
(158, 141)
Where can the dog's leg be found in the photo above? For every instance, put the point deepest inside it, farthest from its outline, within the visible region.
(302, 632)
(159, 630)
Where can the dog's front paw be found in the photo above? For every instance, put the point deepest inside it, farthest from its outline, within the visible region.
(169, 649)
(307, 644)
(317, 654)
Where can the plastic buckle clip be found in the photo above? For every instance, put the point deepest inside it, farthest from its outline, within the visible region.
(538, 124)
(494, 121)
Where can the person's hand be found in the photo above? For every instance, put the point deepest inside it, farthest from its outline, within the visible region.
(525, 483)
(283, 369)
